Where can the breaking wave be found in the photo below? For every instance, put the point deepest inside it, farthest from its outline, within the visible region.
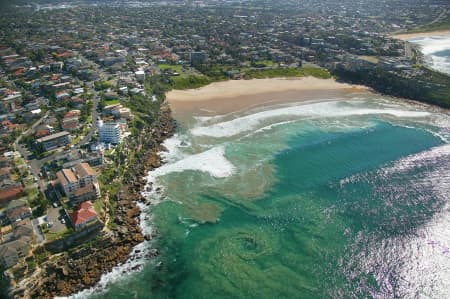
(317, 110)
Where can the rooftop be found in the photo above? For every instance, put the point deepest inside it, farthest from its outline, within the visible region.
(53, 136)
(84, 213)
(83, 169)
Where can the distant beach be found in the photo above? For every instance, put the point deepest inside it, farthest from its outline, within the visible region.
(408, 36)
(435, 46)
(235, 95)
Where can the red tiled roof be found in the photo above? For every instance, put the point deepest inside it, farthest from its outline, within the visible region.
(41, 133)
(10, 193)
(76, 100)
(72, 113)
(18, 212)
(85, 205)
(70, 125)
(85, 213)
(19, 71)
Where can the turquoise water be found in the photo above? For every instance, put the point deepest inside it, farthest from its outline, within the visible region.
(305, 205)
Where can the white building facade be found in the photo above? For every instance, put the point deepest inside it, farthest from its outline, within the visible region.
(109, 132)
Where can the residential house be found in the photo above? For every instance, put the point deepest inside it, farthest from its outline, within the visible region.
(6, 234)
(9, 191)
(5, 173)
(76, 101)
(5, 161)
(8, 126)
(43, 130)
(18, 213)
(70, 120)
(11, 252)
(23, 228)
(83, 215)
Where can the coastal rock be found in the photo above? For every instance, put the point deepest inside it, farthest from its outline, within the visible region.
(69, 273)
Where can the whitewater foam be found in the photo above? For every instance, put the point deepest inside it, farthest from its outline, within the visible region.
(433, 45)
(211, 161)
(322, 109)
(134, 264)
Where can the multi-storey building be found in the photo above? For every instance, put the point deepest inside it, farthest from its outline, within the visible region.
(79, 183)
(54, 141)
(109, 132)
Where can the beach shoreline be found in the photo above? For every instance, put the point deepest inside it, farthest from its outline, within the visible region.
(408, 36)
(235, 95)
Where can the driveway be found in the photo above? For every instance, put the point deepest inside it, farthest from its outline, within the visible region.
(37, 231)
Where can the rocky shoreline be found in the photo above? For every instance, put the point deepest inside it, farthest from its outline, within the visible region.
(82, 268)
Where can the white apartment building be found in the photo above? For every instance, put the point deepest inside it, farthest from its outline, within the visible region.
(109, 132)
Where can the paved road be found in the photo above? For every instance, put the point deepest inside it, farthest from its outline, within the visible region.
(439, 17)
(95, 100)
(86, 139)
(36, 165)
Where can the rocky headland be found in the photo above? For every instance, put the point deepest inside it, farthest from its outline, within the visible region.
(81, 268)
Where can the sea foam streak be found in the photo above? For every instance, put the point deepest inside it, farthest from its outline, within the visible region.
(212, 161)
(324, 109)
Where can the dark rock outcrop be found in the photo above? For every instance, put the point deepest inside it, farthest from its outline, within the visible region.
(82, 268)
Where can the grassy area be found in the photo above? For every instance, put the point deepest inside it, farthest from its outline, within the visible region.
(51, 236)
(32, 193)
(264, 63)
(174, 67)
(75, 140)
(111, 102)
(287, 72)
(188, 82)
(109, 152)
(98, 206)
(18, 161)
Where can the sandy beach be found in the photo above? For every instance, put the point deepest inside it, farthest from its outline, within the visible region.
(235, 95)
(407, 36)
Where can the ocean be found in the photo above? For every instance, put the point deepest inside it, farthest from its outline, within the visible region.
(340, 198)
(436, 50)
